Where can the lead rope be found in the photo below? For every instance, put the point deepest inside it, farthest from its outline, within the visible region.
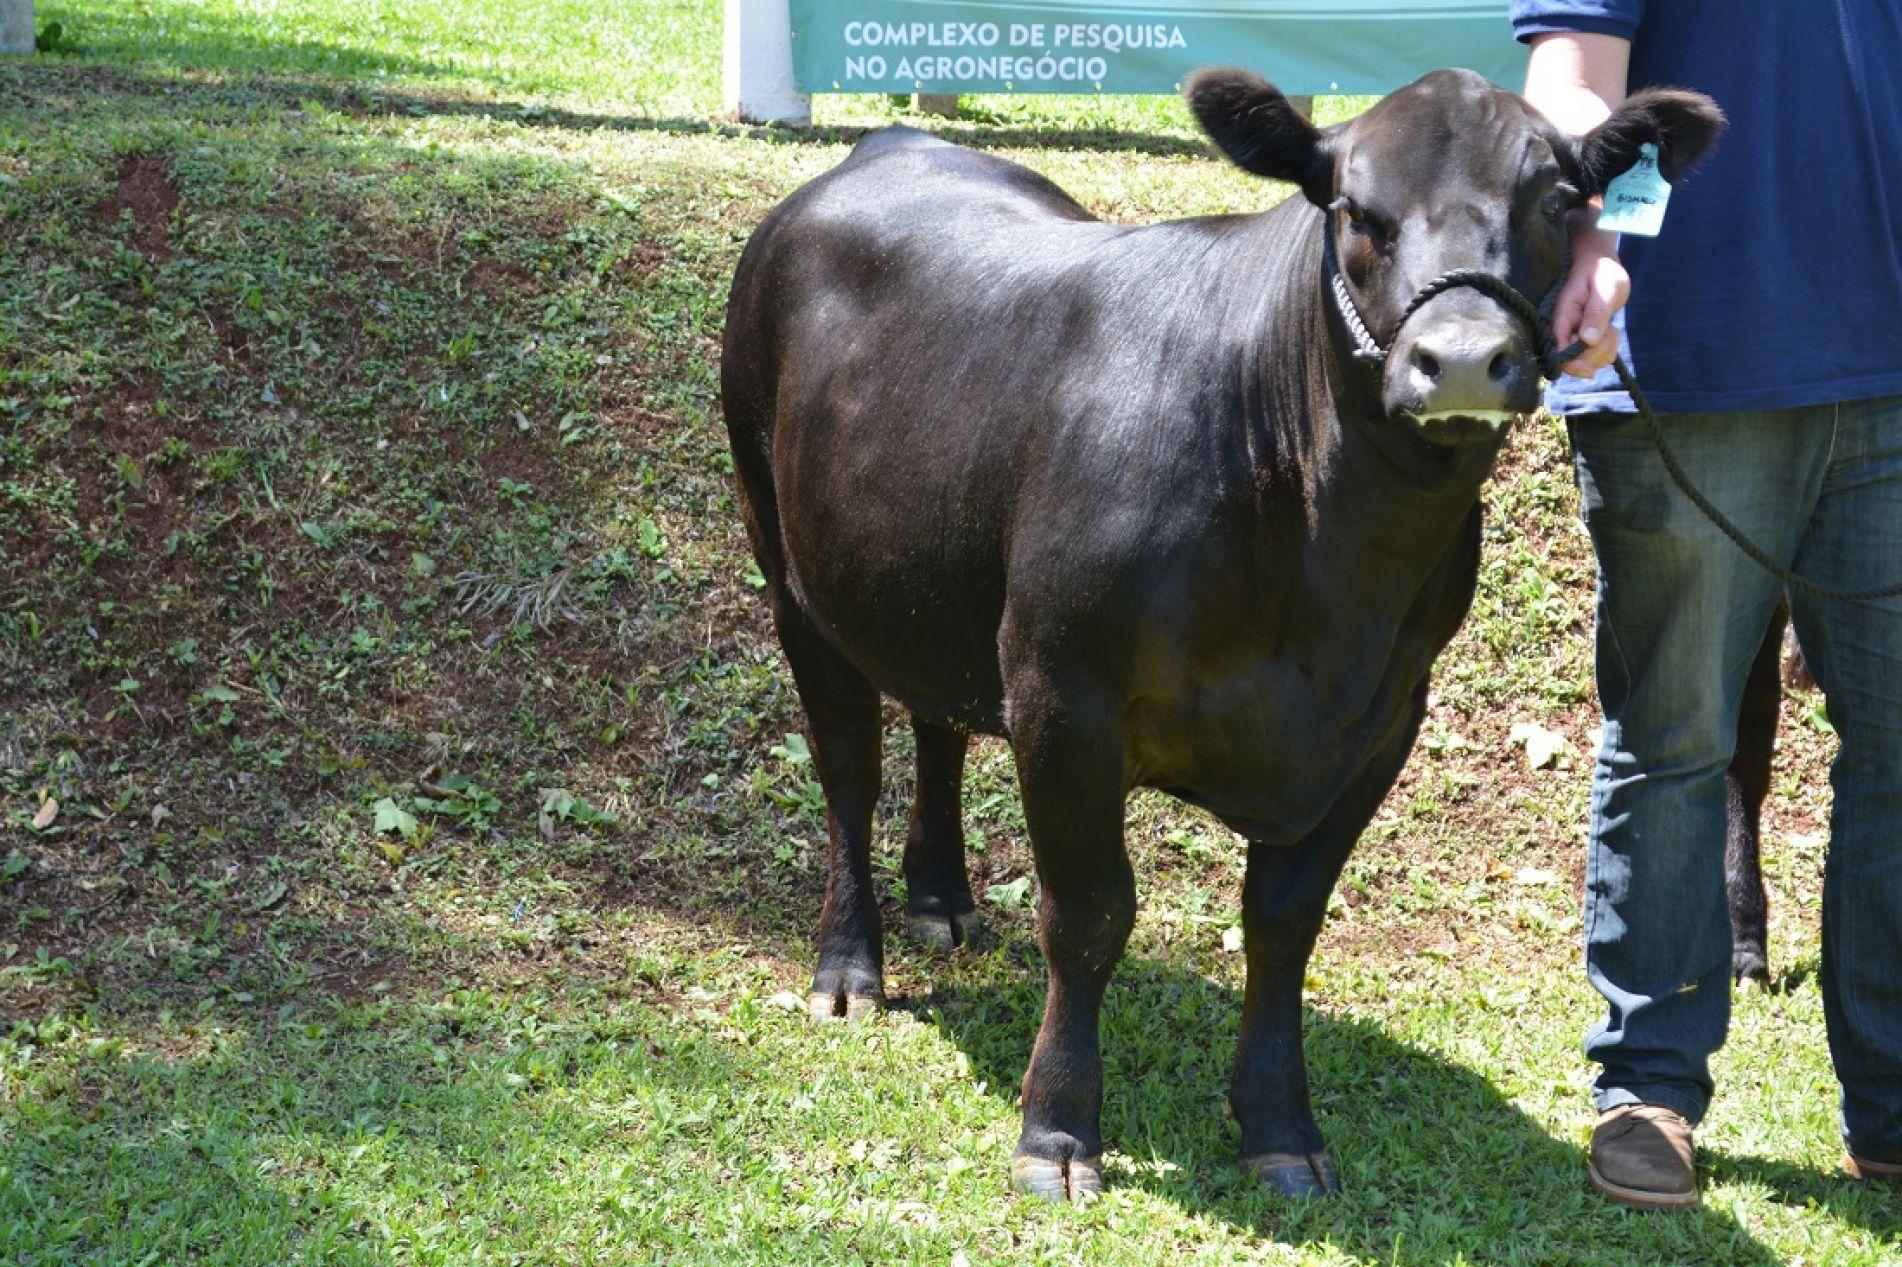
(1551, 359)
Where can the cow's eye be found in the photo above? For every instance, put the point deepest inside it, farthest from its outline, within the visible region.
(1557, 202)
(1362, 223)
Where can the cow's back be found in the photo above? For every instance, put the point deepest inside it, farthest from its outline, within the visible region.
(943, 379)
(822, 261)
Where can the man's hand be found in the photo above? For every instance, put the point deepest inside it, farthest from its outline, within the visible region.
(1575, 79)
(1596, 288)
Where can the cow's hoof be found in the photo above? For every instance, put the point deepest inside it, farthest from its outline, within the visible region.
(826, 1006)
(1750, 969)
(850, 996)
(1295, 1174)
(944, 932)
(1077, 1180)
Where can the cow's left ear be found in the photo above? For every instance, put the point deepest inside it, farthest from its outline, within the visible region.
(1260, 132)
(1683, 125)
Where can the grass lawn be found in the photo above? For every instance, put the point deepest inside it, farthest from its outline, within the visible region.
(406, 850)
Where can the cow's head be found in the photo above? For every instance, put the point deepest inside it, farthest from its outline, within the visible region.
(1448, 173)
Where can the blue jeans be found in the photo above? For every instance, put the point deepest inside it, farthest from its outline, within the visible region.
(1681, 613)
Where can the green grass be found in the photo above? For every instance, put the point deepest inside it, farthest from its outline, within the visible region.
(331, 337)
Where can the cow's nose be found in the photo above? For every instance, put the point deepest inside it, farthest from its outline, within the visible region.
(1468, 365)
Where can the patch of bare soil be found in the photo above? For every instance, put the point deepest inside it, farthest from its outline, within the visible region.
(144, 189)
(499, 278)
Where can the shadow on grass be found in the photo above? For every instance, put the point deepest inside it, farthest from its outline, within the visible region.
(236, 80)
(973, 134)
(140, 216)
(346, 1133)
(1875, 1207)
(207, 42)
(1437, 1165)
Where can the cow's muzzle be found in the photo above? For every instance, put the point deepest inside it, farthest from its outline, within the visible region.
(1460, 380)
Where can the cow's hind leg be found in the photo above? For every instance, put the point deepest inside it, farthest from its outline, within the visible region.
(1070, 765)
(1746, 783)
(939, 911)
(842, 712)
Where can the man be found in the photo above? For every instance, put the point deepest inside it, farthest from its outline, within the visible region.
(1765, 323)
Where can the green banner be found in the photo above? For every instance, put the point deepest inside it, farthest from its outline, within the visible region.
(1307, 47)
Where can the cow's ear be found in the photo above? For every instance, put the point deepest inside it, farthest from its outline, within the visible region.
(1260, 132)
(1683, 125)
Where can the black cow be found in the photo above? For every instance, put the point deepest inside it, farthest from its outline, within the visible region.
(1125, 496)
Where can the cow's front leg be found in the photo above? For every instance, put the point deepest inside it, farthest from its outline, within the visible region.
(1284, 900)
(1071, 773)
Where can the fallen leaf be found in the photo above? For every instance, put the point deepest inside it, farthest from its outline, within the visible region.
(1232, 940)
(1015, 893)
(1534, 875)
(49, 810)
(393, 817)
(1543, 747)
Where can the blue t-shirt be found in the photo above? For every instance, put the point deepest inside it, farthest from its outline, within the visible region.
(1777, 280)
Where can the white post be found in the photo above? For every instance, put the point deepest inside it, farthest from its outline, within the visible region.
(758, 64)
(16, 26)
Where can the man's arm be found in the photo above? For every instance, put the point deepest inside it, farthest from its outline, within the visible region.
(1576, 79)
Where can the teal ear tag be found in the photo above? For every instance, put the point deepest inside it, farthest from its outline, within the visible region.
(1635, 201)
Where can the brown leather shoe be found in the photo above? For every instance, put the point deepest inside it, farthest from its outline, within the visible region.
(1874, 1171)
(1641, 1157)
